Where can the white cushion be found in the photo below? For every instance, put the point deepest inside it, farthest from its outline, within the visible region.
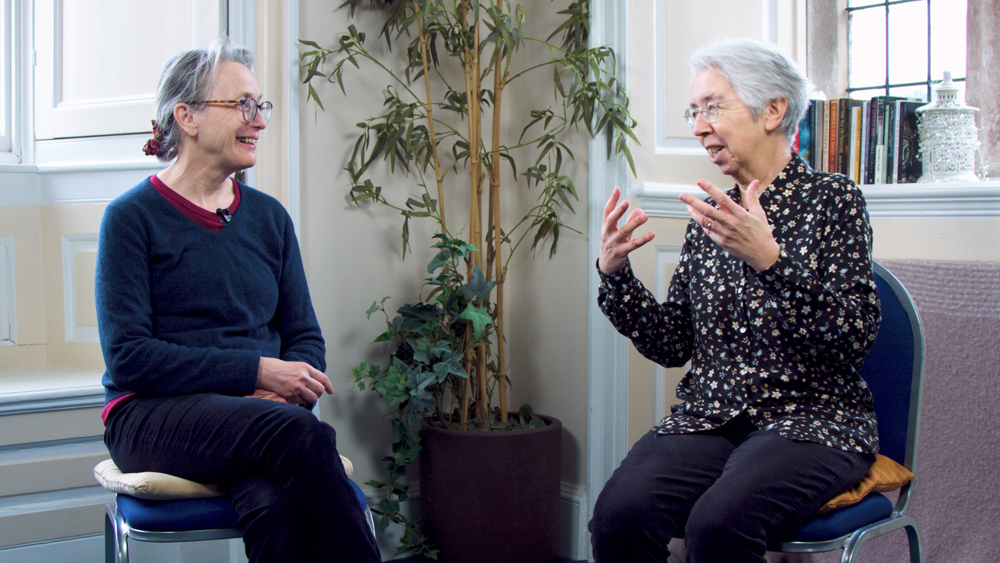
(151, 485)
(161, 486)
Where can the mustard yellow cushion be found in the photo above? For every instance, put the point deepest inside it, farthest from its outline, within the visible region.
(885, 475)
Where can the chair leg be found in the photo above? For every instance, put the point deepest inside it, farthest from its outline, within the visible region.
(121, 538)
(913, 538)
(109, 540)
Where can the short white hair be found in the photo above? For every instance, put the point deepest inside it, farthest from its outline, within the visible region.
(759, 74)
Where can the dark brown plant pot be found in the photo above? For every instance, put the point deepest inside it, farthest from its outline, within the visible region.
(491, 497)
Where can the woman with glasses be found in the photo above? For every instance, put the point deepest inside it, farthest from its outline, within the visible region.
(774, 304)
(213, 353)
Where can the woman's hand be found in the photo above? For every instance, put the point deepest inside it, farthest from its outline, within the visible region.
(617, 243)
(297, 383)
(266, 395)
(744, 233)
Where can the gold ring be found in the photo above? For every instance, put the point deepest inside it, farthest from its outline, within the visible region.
(707, 224)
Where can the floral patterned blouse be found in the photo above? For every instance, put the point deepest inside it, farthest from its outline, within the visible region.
(784, 344)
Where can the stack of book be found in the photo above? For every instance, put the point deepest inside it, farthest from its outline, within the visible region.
(871, 142)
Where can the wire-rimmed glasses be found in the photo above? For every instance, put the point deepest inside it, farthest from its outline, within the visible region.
(249, 106)
(710, 111)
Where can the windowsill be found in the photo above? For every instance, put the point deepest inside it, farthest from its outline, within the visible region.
(47, 388)
(885, 201)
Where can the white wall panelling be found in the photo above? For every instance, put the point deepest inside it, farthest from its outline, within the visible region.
(71, 245)
(8, 300)
(607, 425)
(899, 201)
(664, 255)
(88, 81)
(6, 76)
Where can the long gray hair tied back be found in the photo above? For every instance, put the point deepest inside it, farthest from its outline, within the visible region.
(759, 74)
(188, 78)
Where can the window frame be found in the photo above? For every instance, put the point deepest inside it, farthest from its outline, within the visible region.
(887, 85)
(7, 97)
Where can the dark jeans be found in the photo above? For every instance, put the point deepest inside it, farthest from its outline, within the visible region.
(281, 464)
(727, 492)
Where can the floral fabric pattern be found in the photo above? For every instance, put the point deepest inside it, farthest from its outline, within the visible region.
(784, 345)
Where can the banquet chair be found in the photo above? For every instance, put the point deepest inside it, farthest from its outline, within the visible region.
(893, 370)
(184, 520)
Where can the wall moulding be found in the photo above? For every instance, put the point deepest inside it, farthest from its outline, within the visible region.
(885, 201)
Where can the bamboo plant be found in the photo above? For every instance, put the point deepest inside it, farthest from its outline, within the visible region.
(449, 363)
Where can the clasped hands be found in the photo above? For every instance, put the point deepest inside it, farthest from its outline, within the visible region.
(743, 233)
(296, 383)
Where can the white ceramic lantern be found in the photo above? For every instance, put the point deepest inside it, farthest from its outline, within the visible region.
(949, 140)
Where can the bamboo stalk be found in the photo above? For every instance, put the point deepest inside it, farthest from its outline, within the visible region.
(429, 109)
(496, 254)
(483, 403)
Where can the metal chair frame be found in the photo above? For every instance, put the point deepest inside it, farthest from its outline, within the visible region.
(117, 532)
(899, 518)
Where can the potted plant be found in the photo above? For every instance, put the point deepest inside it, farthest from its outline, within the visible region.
(447, 367)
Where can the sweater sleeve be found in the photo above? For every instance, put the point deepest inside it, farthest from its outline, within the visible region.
(662, 332)
(137, 361)
(294, 317)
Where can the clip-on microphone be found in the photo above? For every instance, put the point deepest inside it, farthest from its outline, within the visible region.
(225, 215)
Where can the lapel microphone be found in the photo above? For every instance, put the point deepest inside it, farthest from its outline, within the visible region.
(225, 215)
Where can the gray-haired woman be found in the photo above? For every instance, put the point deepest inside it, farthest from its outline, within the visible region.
(774, 304)
(209, 336)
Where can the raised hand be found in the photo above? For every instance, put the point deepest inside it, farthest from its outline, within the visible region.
(297, 383)
(617, 243)
(744, 233)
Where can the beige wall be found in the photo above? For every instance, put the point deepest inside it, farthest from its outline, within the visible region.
(38, 233)
(23, 224)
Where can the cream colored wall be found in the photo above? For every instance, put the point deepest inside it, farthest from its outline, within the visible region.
(59, 220)
(23, 224)
(39, 267)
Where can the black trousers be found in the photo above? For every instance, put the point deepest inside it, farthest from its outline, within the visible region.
(281, 464)
(728, 492)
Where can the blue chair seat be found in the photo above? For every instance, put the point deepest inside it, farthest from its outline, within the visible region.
(177, 521)
(177, 515)
(188, 514)
(843, 521)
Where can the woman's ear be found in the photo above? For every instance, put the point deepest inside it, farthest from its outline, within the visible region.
(774, 113)
(185, 119)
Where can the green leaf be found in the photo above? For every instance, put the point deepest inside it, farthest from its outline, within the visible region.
(479, 317)
(392, 387)
(478, 287)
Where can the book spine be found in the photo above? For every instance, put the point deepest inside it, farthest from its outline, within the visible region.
(897, 149)
(822, 108)
(909, 144)
(844, 137)
(890, 141)
(805, 135)
(880, 141)
(865, 143)
(872, 138)
(856, 143)
(831, 135)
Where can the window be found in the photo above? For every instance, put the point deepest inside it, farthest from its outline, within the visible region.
(6, 75)
(902, 47)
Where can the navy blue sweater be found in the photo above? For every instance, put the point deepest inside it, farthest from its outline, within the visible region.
(181, 309)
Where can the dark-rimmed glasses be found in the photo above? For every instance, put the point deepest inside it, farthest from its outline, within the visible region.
(249, 106)
(710, 111)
